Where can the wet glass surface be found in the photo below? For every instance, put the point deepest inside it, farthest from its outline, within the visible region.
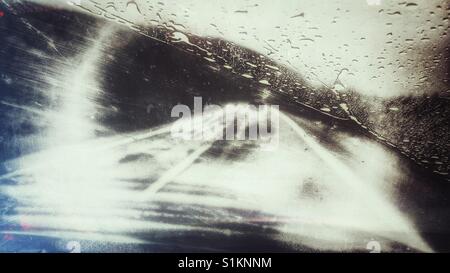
(88, 159)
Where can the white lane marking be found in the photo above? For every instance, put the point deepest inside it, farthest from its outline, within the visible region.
(173, 172)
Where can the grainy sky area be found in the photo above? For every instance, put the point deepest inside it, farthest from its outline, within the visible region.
(384, 48)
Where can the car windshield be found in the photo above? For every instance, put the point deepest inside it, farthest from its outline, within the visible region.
(165, 126)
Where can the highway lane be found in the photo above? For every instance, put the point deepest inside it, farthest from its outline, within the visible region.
(299, 194)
